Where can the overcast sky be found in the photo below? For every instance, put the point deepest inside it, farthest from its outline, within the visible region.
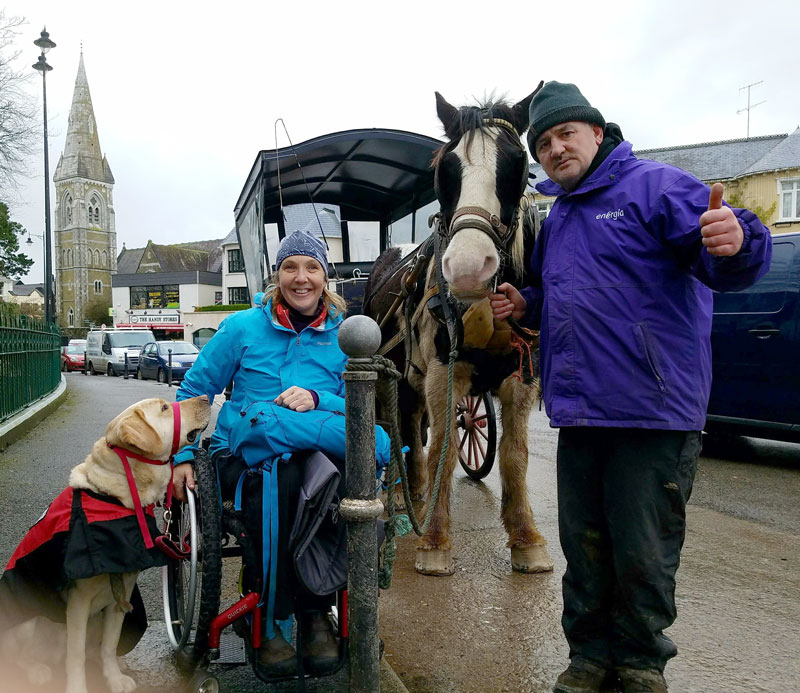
(186, 94)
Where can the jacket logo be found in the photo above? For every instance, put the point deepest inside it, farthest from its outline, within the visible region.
(611, 214)
(323, 343)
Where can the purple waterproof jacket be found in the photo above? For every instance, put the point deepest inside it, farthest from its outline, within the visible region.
(623, 302)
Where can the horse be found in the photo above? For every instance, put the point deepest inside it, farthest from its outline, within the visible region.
(433, 305)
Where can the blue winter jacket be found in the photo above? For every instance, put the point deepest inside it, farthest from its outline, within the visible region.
(264, 358)
(621, 295)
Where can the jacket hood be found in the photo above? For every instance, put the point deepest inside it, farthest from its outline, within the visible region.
(605, 174)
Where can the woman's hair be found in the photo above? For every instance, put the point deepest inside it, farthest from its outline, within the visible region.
(335, 303)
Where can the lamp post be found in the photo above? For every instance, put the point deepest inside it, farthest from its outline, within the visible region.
(45, 44)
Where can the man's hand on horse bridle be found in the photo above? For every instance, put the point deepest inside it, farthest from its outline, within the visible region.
(507, 302)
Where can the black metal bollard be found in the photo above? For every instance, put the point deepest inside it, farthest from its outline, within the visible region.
(84, 363)
(359, 338)
(126, 365)
(169, 367)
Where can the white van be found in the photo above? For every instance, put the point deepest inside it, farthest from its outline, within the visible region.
(106, 350)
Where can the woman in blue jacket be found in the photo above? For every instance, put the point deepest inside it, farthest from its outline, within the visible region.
(283, 351)
(623, 270)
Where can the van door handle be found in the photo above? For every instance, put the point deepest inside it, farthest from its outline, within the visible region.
(764, 332)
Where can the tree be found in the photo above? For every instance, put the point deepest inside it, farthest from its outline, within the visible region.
(12, 262)
(19, 124)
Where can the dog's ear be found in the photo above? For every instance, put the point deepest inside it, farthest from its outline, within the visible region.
(134, 431)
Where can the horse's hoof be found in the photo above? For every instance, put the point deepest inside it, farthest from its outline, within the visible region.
(531, 559)
(434, 562)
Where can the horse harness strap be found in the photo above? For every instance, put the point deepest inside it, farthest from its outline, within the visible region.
(489, 224)
(408, 328)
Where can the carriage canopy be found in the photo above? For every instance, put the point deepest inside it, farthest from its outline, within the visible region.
(371, 175)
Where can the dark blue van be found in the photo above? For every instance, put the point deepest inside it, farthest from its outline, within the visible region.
(755, 346)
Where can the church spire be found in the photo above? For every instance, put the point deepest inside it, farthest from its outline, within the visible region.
(82, 157)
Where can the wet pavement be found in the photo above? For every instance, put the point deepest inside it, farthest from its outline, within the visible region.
(487, 628)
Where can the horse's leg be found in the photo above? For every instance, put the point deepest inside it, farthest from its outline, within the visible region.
(433, 556)
(528, 552)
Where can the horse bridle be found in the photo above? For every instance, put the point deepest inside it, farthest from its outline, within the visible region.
(490, 224)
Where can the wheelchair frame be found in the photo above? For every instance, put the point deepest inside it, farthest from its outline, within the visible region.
(191, 587)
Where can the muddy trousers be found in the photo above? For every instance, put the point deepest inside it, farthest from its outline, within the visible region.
(622, 497)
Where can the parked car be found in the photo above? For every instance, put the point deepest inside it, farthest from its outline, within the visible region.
(72, 357)
(755, 343)
(154, 360)
(77, 342)
(107, 350)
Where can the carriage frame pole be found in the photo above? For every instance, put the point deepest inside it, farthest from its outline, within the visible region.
(359, 338)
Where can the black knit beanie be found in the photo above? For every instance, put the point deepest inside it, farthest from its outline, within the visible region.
(556, 103)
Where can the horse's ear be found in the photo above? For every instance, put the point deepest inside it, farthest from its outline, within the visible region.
(521, 111)
(448, 115)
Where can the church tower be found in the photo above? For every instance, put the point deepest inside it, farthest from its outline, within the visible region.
(85, 254)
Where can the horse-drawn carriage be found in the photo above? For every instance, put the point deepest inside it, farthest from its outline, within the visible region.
(374, 190)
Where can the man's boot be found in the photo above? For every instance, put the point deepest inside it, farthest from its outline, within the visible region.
(581, 676)
(276, 657)
(320, 647)
(642, 680)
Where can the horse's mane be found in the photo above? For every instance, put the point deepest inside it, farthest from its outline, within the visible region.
(471, 120)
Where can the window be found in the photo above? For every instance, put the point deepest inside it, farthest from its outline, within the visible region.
(98, 286)
(70, 318)
(67, 210)
(789, 194)
(235, 260)
(166, 296)
(238, 294)
(544, 207)
(94, 210)
(217, 298)
(200, 337)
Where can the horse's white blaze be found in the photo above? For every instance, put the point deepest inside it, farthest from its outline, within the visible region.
(471, 260)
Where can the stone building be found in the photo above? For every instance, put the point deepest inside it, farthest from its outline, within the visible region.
(85, 249)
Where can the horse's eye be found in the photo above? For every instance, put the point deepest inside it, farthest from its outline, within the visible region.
(164, 407)
(191, 437)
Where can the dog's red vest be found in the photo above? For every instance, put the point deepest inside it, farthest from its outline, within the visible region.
(81, 534)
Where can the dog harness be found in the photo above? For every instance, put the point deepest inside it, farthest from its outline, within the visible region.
(137, 505)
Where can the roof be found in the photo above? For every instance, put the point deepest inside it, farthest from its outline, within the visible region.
(371, 174)
(20, 289)
(304, 218)
(723, 160)
(204, 256)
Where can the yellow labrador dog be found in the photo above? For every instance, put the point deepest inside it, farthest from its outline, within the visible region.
(79, 563)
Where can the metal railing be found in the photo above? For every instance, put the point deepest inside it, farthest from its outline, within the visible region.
(29, 360)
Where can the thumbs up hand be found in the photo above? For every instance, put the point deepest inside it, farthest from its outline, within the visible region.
(722, 234)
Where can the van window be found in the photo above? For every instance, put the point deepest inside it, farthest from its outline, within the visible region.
(130, 339)
(768, 293)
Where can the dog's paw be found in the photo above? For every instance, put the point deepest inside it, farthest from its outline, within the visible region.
(121, 683)
(39, 673)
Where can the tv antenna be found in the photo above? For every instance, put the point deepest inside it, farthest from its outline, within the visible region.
(749, 106)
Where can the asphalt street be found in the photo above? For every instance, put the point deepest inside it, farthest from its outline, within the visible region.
(486, 628)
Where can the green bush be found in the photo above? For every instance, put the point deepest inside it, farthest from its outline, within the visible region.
(229, 307)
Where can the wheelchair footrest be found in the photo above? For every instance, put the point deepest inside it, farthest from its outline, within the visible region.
(231, 649)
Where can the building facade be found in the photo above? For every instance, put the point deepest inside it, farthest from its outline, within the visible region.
(85, 247)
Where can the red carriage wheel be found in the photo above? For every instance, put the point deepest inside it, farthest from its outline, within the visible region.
(477, 434)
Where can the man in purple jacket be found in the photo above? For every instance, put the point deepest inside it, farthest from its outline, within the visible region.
(623, 270)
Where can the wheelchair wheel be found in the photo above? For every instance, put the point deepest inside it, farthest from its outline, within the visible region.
(191, 586)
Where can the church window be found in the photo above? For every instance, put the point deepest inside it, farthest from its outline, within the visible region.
(89, 258)
(97, 258)
(104, 259)
(68, 210)
(94, 210)
(98, 286)
(70, 318)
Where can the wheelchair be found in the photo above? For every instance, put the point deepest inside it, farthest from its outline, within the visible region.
(207, 529)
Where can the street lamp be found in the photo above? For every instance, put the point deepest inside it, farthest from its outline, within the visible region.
(45, 44)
